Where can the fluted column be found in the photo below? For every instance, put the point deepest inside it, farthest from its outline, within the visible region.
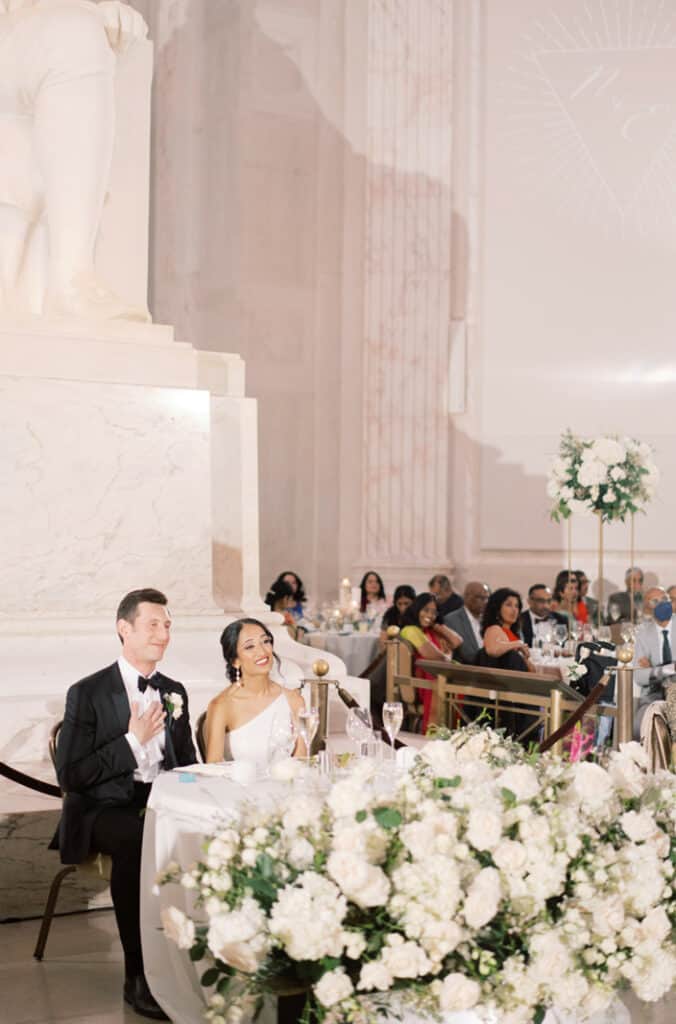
(407, 286)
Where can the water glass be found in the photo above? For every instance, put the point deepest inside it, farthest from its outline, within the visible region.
(359, 727)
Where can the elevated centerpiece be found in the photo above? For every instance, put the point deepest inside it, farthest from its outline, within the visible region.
(608, 476)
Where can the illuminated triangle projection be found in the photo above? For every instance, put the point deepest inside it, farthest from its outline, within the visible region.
(622, 107)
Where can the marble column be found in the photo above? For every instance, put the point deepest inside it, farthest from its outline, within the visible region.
(407, 293)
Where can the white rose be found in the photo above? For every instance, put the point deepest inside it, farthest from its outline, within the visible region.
(608, 451)
(639, 826)
(458, 993)
(301, 812)
(592, 472)
(347, 797)
(286, 769)
(301, 854)
(655, 925)
(484, 829)
(355, 944)
(365, 884)
(510, 856)
(177, 927)
(521, 780)
(591, 785)
(609, 496)
(483, 898)
(375, 975)
(231, 936)
(405, 959)
(616, 473)
(333, 987)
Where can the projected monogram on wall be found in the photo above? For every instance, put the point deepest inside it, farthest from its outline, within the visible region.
(595, 82)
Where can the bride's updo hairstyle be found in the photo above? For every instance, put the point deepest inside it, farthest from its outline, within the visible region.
(230, 639)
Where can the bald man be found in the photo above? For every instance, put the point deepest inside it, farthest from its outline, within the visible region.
(466, 621)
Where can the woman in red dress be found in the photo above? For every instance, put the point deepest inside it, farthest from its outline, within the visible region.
(499, 625)
(431, 640)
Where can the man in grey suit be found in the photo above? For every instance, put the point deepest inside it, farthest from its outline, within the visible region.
(466, 621)
(654, 649)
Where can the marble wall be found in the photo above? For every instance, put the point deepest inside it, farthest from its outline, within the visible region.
(439, 233)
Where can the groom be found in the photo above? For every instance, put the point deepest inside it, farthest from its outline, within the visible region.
(122, 726)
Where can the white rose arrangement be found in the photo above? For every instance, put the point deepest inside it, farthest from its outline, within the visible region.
(610, 476)
(484, 878)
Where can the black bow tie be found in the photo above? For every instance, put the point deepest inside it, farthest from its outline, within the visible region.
(144, 683)
(538, 621)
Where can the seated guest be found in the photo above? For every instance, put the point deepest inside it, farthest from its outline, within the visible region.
(299, 599)
(654, 646)
(633, 579)
(430, 640)
(373, 603)
(590, 603)
(671, 591)
(565, 599)
(466, 621)
(404, 596)
(539, 615)
(503, 647)
(122, 726)
(279, 598)
(447, 600)
(252, 718)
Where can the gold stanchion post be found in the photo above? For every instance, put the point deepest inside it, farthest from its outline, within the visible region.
(631, 567)
(600, 607)
(392, 657)
(319, 698)
(624, 694)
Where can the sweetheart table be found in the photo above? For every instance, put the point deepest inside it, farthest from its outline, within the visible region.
(182, 809)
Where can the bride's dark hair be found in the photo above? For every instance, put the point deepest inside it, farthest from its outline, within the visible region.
(230, 638)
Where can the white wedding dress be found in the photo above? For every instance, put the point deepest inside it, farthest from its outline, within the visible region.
(264, 737)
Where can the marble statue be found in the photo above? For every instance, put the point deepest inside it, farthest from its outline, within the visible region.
(57, 127)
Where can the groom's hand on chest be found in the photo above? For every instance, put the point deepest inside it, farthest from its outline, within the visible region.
(148, 724)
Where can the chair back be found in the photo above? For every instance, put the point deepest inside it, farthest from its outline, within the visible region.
(200, 737)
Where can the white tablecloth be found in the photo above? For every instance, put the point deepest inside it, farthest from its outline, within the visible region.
(357, 650)
(179, 815)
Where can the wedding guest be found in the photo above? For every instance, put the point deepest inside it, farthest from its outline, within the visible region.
(280, 598)
(404, 596)
(373, 601)
(633, 579)
(298, 591)
(122, 726)
(447, 600)
(671, 591)
(590, 603)
(539, 615)
(252, 719)
(430, 640)
(466, 620)
(499, 628)
(654, 646)
(565, 599)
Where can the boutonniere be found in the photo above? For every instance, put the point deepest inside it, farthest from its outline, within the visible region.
(173, 702)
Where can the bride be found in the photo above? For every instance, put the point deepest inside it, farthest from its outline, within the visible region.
(254, 714)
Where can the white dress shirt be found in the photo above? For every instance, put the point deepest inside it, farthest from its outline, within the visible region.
(149, 756)
(476, 626)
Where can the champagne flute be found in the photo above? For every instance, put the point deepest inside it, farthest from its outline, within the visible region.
(393, 716)
(308, 723)
(359, 727)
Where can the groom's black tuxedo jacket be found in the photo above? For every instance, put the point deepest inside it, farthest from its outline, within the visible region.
(94, 762)
(557, 619)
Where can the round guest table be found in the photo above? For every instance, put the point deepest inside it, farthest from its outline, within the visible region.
(182, 809)
(357, 650)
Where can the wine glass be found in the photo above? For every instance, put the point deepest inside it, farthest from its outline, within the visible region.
(282, 739)
(561, 633)
(359, 727)
(393, 716)
(614, 611)
(308, 723)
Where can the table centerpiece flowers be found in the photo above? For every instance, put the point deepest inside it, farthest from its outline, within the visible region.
(482, 879)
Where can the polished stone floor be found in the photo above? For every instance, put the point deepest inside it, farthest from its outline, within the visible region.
(80, 979)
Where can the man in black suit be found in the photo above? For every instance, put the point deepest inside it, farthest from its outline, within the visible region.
(122, 726)
(539, 611)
